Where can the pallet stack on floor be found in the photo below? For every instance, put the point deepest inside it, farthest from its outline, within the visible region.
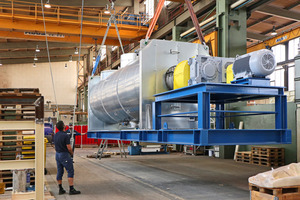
(244, 157)
(283, 193)
(268, 156)
(16, 144)
(262, 155)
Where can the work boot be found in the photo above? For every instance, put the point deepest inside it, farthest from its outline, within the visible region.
(73, 191)
(61, 191)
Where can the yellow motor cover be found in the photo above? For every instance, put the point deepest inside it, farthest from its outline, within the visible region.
(181, 75)
(229, 74)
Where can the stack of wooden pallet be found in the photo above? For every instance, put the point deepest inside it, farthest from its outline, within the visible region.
(16, 144)
(283, 193)
(244, 157)
(268, 156)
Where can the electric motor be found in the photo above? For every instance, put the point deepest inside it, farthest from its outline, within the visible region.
(255, 64)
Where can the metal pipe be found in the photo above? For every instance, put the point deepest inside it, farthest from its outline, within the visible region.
(201, 24)
(236, 4)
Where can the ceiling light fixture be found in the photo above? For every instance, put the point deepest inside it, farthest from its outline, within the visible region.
(35, 58)
(106, 10)
(76, 51)
(37, 48)
(47, 5)
(0, 63)
(274, 31)
(70, 59)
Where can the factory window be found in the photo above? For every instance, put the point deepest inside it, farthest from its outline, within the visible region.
(150, 8)
(293, 48)
(277, 77)
(279, 52)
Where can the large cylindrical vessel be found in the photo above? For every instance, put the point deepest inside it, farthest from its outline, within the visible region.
(116, 99)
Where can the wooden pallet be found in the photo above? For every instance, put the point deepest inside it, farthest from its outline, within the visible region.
(12, 143)
(17, 111)
(283, 193)
(19, 92)
(266, 150)
(243, 156)
(268, 163)
(267, 156)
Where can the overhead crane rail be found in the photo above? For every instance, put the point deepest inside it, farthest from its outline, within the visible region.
(65, 14)
(65, 22)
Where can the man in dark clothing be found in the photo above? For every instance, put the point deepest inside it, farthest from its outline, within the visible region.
(63, 158)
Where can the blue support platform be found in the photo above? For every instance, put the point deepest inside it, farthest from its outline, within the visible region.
(205, 94)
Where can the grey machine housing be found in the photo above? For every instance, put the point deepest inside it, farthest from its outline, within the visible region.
(208, 69)
(124, 99)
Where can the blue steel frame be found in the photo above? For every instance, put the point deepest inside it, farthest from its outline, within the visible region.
(205, 94)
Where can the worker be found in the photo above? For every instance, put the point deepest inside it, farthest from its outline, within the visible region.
(63, 158)
(69, 132)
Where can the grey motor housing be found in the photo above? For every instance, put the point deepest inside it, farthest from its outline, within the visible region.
(255, 64)
(208, 69)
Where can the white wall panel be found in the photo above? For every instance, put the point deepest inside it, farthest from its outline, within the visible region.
(27, 76)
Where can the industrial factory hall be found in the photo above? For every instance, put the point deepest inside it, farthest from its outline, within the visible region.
(150, 99)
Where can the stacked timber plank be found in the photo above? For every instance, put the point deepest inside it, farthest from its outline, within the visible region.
(16, 105)
(244, 157)
(283, 193)
(268, 156)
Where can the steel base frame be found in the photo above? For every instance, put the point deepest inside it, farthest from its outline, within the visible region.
(205, 94)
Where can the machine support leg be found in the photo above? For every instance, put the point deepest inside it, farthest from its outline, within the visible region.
(203, 110)
(220, 117)
(156, 111)
(123, 149)
(281, 112)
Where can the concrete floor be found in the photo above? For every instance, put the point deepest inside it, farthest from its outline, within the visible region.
(164, 176)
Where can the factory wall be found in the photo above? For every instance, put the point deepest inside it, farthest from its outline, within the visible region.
(27, 76)
(268, 122)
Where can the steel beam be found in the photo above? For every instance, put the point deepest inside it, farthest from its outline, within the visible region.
(258, 4)
(41, 60)
(198, 7)
(11, 46)
(67, 28)
(67, 38)
(256, 36)
(279, 12)
(268, 17)
(42, 53)
(87, 3)
(232, 26)
(280, 38)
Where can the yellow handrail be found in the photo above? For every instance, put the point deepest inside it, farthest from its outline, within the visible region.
(92, 16)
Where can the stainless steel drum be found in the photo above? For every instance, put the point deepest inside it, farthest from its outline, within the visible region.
(116, 99)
